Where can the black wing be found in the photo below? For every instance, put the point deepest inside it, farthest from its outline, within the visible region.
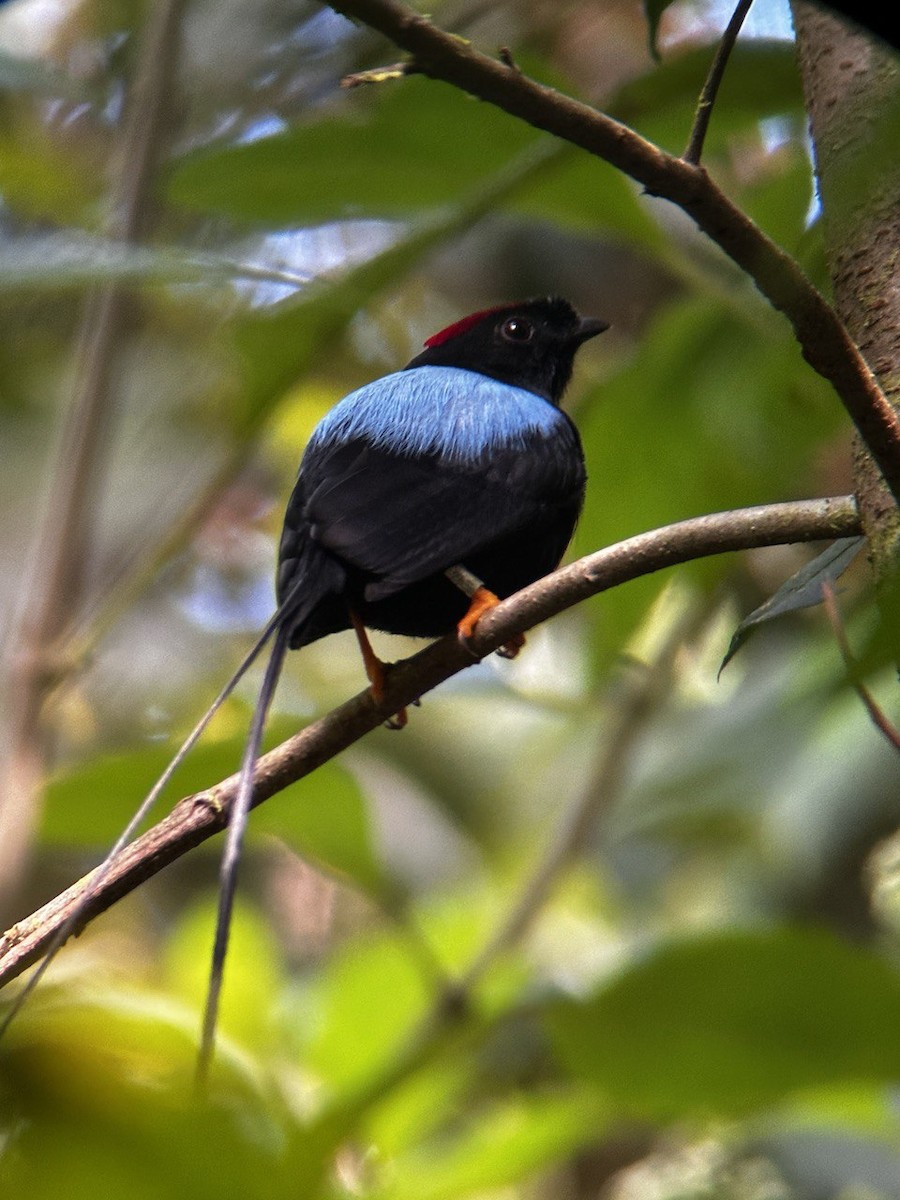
(403, 518)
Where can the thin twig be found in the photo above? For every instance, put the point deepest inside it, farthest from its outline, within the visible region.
(198, 817)
(878, 718)
(379, 74)
(822, 336)
(707, 99)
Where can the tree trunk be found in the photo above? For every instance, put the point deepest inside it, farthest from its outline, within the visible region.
(852, 87)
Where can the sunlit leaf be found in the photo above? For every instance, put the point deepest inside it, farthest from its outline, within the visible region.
(253, 975)
(101, 1088)
(499, 1148)
(43, 179)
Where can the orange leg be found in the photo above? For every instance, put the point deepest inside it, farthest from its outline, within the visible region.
(481, 601)
(375, 670)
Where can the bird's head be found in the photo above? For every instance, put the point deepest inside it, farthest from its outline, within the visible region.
(530, 345)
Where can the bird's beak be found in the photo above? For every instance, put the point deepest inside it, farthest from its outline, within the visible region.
(589, 327)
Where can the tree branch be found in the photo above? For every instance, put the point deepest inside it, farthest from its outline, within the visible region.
(824, 340)
(198, 817)
(707, 99)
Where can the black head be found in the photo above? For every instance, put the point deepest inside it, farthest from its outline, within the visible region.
(531, 345)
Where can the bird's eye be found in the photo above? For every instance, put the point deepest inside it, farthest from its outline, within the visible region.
(517, 329)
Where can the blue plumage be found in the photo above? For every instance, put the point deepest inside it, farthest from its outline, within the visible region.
(463, 458)
(450, 413)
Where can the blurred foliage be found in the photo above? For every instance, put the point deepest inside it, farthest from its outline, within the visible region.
(705, 1003)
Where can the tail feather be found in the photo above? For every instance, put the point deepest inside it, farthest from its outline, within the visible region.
(296, 604)
(237, 826)
(294, 608)
(313, 577)
(101, 871)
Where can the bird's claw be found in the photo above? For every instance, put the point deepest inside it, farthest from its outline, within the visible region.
(511, 648)
(397, 721)
(483, 601)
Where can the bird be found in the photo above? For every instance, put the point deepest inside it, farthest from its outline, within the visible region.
(422, 499)
(463, 458)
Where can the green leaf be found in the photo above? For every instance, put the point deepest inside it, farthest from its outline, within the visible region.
(715, 411)
(379, 153)
(734, 1021)
(779, 202)
(328, 823)
(580, 191)
(253, 977)
(363, 1010)
(802, 590)
(46, 180)
(98, 1086)
(323, 817)
(90, 804)
(496, 1148)
(761, 81)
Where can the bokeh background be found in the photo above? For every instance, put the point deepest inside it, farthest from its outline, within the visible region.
(705, 1003)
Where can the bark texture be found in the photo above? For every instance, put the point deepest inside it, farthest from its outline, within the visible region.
(852, 87)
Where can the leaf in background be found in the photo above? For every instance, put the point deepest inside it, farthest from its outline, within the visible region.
(329, 824)
(654, 9)
(584, 193)
(715, 411)
(323, 816)
(253, 981)
(34, 75)
(802, 590)
(762, 81)
(362, 1011)
(374, 991)
(46, 180)
(75, 260)
(379, 153)
(90, 804)
(99, 1088)
(734, 1021)
(496, 1148)
(779, 200)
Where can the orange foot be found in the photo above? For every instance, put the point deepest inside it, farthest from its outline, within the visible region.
(376, 672)
(483, 601)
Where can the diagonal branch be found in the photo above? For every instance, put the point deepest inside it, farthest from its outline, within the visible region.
(198, 817)
(823, 338)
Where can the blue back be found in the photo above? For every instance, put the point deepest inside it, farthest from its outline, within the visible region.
(454, 414)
